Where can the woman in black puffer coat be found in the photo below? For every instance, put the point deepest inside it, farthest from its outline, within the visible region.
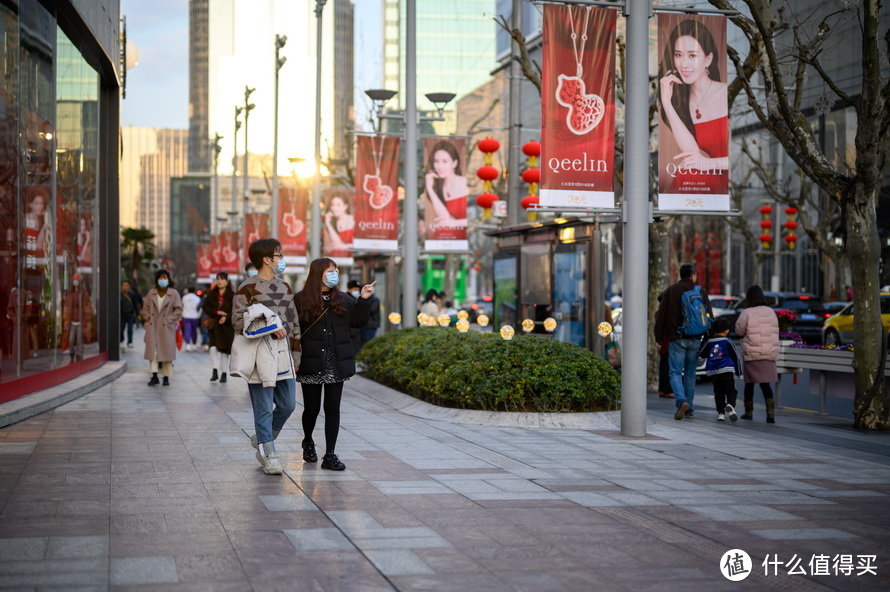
(328, 356)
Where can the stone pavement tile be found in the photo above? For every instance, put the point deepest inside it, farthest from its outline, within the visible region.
(183, 521)
(505, 496)
(77, 547)
(138, 523)
(57, 572)
(252, 545)
(54, 526)
(787, 534)
(449, 561)
(458, 582)
(83, 508)
(25, 508)
(410, 487)
(318, 539)
(23, 549)
(284, 503)
(137, 545)
(398, 562)
(217, 567)
(143, 570)
(432, 502)
(17, 448)
(741, 512)
(778, 498)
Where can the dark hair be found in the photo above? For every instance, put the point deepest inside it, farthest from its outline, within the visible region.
(222, 276)
(249, 266)
(309, 302)
(687, 270)
(680, 97)
(353, 284)
(754, 296)
(162, 273)
(447, 147)
(720, 325)
(262, 248)
(430, 294)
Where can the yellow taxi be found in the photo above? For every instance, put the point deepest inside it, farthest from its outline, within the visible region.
(838, 328)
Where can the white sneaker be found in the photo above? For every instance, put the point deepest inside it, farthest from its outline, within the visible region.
(272, 465)
(721, 417)
(253, 442)
(730, 411)
(261, 458)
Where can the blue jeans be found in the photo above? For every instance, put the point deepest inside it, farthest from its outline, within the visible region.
(682, 360)
(127, 322)
(368, 335)
(272, 406)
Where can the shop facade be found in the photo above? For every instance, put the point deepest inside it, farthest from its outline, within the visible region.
(59, 254)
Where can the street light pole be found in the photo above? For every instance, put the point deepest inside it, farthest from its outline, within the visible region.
(409, 261)
(217, 148)
(513, 181)
(248, 107)
(280, 41)
(315, 235)
(636, 221)
(234, 208)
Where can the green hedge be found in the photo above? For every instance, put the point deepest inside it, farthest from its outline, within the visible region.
(482, 371)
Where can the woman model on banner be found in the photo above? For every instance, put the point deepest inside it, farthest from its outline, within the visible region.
(218, 308)
(84, 243)
(694, 106)
(339, 226)
(161, 313)
(446, 194)
(36, 229)
(326, 317)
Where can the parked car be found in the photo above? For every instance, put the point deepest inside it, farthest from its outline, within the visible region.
(808, 308)
(722, 304)
(832, 308)
(838, 329)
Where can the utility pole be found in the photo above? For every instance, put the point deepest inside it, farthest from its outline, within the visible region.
(280, 41)
(248, 107)
(315, 235)
(234, 207)
(409, 261)
(636, 221)
(513, 197)
(217, 148)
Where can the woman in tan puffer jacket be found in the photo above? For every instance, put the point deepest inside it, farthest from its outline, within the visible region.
(758, 327)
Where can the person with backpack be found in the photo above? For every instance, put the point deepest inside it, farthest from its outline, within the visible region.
(758, 326)
(683, 318)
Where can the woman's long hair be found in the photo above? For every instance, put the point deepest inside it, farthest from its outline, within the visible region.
(754, 297)
(309, 302)
(224, 276)
(681, 92)
(447, 147)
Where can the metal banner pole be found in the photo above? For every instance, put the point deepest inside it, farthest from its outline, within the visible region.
(409, 263)
(315, 227)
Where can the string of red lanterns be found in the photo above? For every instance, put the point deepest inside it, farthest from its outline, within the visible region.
(532, 176)
(487, 173)
(766, 238)
(790, 226)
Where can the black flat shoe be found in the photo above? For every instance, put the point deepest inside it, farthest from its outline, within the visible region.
(309, 454)
(215, 376)
(166, 381)
(330, 461)
(154, 380)
(223, 378)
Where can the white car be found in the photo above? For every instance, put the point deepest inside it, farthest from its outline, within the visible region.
(722, 304)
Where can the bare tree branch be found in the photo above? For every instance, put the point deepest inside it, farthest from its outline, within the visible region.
(530, 69)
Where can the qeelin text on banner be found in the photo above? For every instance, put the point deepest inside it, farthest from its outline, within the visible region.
(292, 206)
(693, 127)
(338, 222)
(376, 194)
(578, 108)
(444, 222)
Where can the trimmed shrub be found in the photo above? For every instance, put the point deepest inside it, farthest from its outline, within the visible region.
(482, 371)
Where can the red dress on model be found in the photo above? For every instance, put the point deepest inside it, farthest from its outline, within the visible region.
(713, 139)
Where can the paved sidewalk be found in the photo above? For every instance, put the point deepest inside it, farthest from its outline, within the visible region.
(139, 488)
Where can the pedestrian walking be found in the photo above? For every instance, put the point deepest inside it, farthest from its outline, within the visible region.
(683, 318)
(128, 314)
(250, 269)
(369, 331)
(758, 326)
(724, 365)
(191, 317)
(430, 305)
(326, 317)
(264, 305)
(161, 312)
(218, 310)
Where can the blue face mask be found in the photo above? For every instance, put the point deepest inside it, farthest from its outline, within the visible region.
(163, 283)
(331, 278)
(282, 265)
(251, 272)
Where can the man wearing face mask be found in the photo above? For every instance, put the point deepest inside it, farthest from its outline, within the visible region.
(272, 406)
(366, 333)
(326, 317)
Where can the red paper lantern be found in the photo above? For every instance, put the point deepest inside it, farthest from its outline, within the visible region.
(487, 173)
(488, 145)
(531, 148)
(530, 200)
(790, 239)
(766, 224)
(531, 175)
(766, 210)
(486, 200)
(766, 238)
(791, 211)
(790, 225)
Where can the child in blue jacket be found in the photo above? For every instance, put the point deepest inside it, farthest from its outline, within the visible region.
(724, 366)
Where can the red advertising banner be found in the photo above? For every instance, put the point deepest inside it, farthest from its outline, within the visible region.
(376, 194)
(225, 252)
(256, 226)
(693, 130)
(292, 204)
(205, 261)
(444, 222)
(339, 225)
(578, 107)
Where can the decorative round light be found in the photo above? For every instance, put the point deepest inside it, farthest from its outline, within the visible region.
(394, 318)
(463, 325)
(507, 332)
(550, 324)
(462, 314)
(604, 329)
(528, 325)
(444, 320)
(482, 320)
(422, 318)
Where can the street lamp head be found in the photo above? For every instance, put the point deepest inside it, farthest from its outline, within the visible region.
(440, 100)
(380, 95)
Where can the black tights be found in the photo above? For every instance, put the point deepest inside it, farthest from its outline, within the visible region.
(312, 405)
(765, 388)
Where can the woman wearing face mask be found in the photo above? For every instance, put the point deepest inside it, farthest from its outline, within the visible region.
(326, 317)
(161, 312)
(218, 308)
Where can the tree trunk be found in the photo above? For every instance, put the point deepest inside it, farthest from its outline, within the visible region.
(659, 276)
(871, 405)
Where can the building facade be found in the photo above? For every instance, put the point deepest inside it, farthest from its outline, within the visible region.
(199, 150)
(59, 254)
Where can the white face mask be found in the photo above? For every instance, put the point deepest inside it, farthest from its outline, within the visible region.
(354, 293)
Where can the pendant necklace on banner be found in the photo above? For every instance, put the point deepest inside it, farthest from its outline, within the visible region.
(585, 111)
(698, 103)
(379, 195)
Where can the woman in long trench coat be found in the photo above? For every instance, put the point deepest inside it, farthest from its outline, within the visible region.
(161, 312)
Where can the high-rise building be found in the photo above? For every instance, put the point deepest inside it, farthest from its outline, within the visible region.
(455, 48)
(344, 75)
(151, 158)
(199, 135)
